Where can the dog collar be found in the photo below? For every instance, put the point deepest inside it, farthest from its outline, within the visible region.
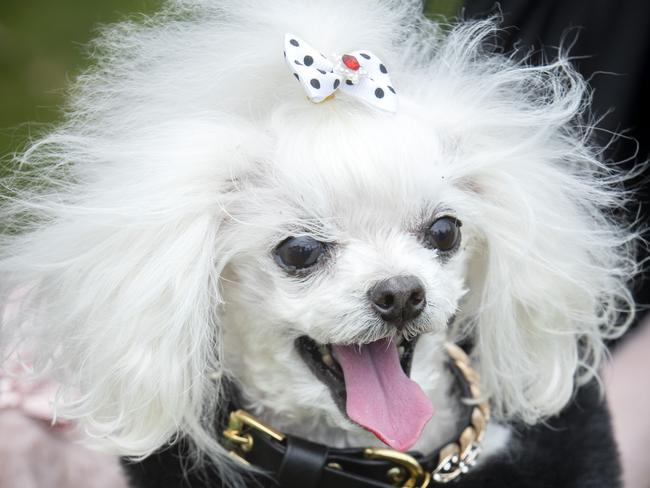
(298, 463)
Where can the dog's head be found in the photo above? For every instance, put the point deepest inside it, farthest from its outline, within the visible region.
(200, 219)
(351, 234)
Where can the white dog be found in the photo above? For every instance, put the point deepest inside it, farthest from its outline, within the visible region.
(198, 221)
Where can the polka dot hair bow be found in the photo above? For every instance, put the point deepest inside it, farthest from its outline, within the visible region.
(360, 74)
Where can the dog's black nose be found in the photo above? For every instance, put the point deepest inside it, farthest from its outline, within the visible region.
(398, 299)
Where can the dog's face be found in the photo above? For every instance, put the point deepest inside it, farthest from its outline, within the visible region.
(347, 241)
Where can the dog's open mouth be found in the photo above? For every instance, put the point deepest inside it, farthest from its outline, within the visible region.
(370, 384)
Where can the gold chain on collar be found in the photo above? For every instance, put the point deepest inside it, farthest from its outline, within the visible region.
(454, 459)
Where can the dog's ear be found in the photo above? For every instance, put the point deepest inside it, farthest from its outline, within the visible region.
(119, 267)
(548, 275)
(550, 254)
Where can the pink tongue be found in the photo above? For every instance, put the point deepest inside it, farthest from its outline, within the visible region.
(380, 397)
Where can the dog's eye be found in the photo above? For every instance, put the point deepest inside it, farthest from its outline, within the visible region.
(444, 234)
(298, 253)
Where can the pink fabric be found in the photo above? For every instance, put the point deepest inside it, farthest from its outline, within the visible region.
(627, 382)
(34, 453)
(34, 397)
(19, 388)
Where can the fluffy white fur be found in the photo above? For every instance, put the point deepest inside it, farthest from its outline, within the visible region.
(189, 152)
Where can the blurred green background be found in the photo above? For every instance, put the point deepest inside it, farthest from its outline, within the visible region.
(42, 48)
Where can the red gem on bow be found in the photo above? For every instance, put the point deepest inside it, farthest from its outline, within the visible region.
(350, 62)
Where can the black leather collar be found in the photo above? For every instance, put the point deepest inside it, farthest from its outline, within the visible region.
(293, 462)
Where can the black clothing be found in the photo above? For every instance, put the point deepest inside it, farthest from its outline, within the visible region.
(610, 46)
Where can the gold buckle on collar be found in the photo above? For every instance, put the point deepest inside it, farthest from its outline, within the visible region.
(417, 476)
(238, 425)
